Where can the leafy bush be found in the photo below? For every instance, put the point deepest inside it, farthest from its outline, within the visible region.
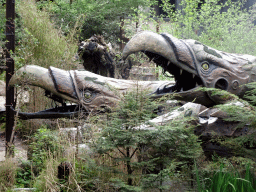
(47, 180)
(24, 175)
(170, 152)
(85, 175)
(44, 143)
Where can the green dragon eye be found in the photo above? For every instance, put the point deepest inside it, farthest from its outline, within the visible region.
(87, 95)
(205, 66)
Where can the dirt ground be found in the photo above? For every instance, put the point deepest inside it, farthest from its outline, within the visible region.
(20, 152)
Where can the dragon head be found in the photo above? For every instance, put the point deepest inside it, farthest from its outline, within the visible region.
(83, 89)
(75, 90)
(193, 65)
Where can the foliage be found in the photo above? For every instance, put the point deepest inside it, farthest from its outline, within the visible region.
(98, 17)
(47, 180)
(41, 42)
(227, 181)
(173, 146)
(7, 174)
(24, 175)
(44, 143)
(150, 155)
(251, 93)
(120, 138)
(2, 23)
(84, 175)
(223, 26)
(45, 153)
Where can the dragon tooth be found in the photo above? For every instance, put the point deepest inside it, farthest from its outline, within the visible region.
(193, 76)
(181, 71)
(168, 63)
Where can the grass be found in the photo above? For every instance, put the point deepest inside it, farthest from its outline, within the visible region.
(223, 181)
(42, 43)
(7, 174)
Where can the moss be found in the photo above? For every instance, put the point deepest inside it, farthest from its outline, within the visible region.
(94, 80)
(90, 78)
(212, 52)
(197, 42)
(207, 50)
(100, 83)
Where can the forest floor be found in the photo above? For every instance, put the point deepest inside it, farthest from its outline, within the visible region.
(20, 150)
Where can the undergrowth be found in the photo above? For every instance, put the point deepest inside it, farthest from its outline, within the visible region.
(7, 174)
(223, 180)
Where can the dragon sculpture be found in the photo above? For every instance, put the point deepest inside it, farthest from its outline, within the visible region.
(97, 56)
(100, 58)
(192, 64)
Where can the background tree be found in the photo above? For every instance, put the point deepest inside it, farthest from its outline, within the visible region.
(100, 17)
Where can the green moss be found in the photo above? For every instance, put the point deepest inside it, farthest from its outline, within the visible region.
(94, 80)
(197, 42)
(212, 52)
(207, 50)
(90, 78)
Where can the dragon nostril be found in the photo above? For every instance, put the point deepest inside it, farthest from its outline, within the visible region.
(221, 84)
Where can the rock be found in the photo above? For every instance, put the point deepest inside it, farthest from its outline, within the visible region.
(83, 149)
(23, 97)
(2, 104)
(213, 128)
(2, 88)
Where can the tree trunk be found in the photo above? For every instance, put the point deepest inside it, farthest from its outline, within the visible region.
(128, 164)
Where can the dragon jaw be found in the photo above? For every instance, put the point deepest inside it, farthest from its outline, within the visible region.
(194, 65)
(88, 92)
(83, 89)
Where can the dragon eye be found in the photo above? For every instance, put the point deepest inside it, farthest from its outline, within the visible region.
(87, 95)
(205, 66)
